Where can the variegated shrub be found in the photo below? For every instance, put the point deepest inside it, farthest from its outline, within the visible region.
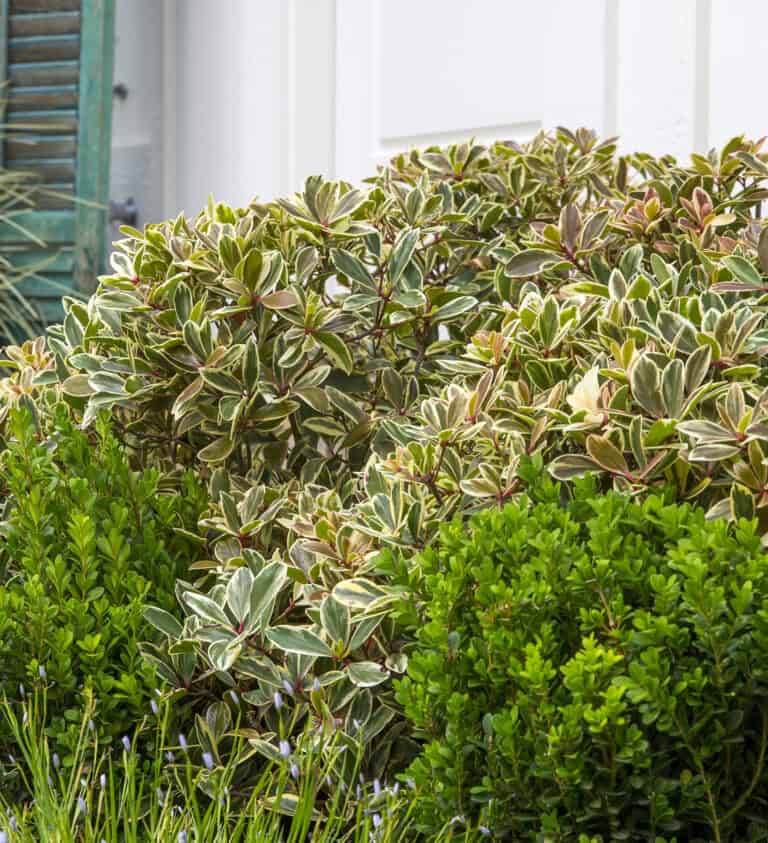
(350, 367)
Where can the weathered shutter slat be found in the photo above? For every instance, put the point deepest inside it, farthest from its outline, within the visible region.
(42, 96)
(61, 261)
(52, 120)
(44, 5)
(52, 227)
(57, 57)
(41, 146)
(49, 169)
(54, 284)
(44, 73)
(43, 48)
(47, 23)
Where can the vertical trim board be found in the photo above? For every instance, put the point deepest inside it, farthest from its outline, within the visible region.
(702, 86)
(94, 137)
(3, 72)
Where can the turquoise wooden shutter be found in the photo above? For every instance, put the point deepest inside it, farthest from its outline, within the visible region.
(57, 56)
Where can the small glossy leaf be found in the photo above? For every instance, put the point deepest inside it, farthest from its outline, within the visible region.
(298, 639)
(367, 674)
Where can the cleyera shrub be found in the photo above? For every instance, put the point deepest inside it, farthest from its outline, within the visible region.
(351, 367)
(596, 668)
(85, 542)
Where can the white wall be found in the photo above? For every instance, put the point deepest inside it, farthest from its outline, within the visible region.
(257, 94)
(137, 121)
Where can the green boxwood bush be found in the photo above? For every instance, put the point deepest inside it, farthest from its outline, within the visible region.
(85, 542)
(595, 668)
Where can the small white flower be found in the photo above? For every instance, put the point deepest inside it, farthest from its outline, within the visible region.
(586, 396)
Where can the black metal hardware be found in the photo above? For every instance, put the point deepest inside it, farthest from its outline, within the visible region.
(126, 211)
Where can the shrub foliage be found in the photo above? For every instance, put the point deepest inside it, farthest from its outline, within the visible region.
(598, 668)
(349, 368)
(86, 541)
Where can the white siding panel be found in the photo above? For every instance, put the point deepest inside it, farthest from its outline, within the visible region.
(656, 76)
(739, 52)
(230, 101)
(433, 72)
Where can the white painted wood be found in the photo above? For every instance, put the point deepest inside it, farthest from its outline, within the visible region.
(249, 97)
(655, 78)
(703, 93)
(739, 50)
(229, 101)
(137, 120)
(313, 57)
(170, 109)
(434, 72)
